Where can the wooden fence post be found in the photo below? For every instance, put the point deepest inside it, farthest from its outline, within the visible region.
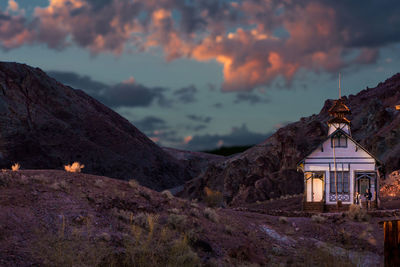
(392, 243)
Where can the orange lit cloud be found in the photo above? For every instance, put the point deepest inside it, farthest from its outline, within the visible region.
(187, 139)
(12, 5)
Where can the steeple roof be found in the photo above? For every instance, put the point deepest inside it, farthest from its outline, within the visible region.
(338, 112)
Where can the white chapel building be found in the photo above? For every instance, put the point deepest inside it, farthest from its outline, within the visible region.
(339, 167)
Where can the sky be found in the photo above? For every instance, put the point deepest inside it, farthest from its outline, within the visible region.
(201, 74)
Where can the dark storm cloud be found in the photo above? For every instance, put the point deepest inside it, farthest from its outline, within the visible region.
(132, 95)
(186, 94)
(78, 81)
(197, 118)
(250, 98)
(368, 24)
(237, 136)
(119, 95)
(150, 124)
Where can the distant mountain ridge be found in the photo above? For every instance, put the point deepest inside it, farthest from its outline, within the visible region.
(45, 125)
(268, 170)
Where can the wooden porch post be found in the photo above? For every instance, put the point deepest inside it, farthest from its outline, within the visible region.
(312, 187)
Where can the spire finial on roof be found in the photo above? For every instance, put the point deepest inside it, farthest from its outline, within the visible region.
(340, 93)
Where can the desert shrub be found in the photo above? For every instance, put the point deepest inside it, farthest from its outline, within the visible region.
(66, 247)
(356, 213)
(211, 214)
(213, 198)
(145, 220)
(74, 167)
(194, 212)
(145, 194)
(174, 210)
(124, 215)
(61, 186)
(99, 183)
(176, 221)
(4, 180)
(159, 248)
(15, 167)
(133, 183)
(194, 204)
(317, 218)
(283, 220)
(167, 194)
(229, 229)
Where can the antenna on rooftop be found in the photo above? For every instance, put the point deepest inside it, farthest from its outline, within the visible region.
(340, 93)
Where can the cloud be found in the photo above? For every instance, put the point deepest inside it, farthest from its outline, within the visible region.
(218, 105)
(119, 95)
(197, 118)
(237, 136)
(249, 97)
(150, 124)
(12, 5)
(186, 94)
(255, 41)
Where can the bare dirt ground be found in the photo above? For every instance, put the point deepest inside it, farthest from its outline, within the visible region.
(55, 218)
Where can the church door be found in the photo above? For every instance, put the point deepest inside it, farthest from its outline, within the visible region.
(318, 189)
(315, 186)
(363, 185)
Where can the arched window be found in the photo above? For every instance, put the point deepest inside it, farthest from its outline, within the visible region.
(339, 140)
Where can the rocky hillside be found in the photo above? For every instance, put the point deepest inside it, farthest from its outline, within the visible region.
(44, 124)
(55, 218)
(268, 170)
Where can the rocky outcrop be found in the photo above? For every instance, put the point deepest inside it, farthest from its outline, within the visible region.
(268, 170)
(45, 125)
(196, 162)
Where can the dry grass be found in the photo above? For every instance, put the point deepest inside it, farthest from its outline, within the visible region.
(60, 186)
(176, 221)
(157, 246)
(213, 198)
(211, 215)
(356, 213)
(68, 247)
(167, 194)
(283, 220)
(15, 167)
(317, 218)
(74, 167)
(133, 183)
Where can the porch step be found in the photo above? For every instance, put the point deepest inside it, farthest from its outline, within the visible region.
(313, 206)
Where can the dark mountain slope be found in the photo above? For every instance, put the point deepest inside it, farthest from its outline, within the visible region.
(44, 124)
(268, 170)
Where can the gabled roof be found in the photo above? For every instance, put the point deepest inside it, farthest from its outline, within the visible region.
(349, 137)
(339, 107)
(339, 120)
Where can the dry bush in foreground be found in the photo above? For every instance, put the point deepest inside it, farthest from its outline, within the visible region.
(151, 245)
(318, 218)
(356, 213)
(74, 167)
(155, 245)
(213, 198)
(133, 183)
(211, 215)
(167, 194)
(15, 167)
(283, 220)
